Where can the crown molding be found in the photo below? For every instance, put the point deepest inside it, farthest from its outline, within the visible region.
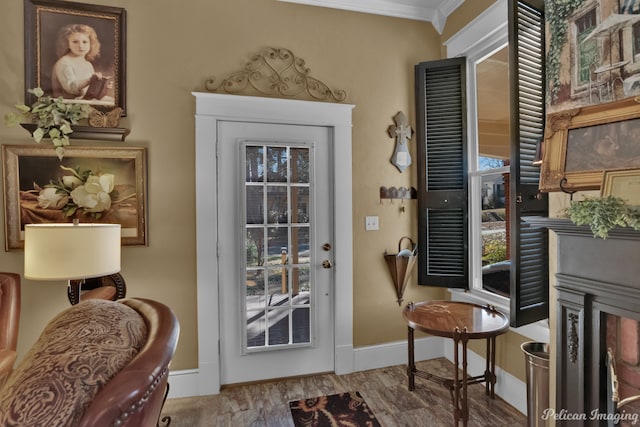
(488, 28)
(434, 11)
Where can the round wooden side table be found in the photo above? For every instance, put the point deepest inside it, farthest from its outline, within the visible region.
(461, 322)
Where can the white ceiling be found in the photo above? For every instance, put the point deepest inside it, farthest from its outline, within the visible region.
(434, 11)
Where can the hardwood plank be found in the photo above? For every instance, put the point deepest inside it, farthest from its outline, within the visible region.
(385, 391)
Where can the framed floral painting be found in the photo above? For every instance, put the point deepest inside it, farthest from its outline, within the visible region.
(91, 184)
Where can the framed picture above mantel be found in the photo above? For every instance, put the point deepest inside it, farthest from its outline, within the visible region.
(581, 144)
(77, 51)
(91, 184)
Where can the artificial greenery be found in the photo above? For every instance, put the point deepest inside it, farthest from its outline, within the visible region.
(558, 12)
(604, 214)
(53, 118)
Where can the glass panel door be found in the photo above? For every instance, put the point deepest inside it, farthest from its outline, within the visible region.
(278, 275)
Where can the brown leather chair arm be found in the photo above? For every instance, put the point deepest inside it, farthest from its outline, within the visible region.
(9, 309)
(139, 389)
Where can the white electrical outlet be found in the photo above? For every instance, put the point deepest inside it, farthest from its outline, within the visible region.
(371, 223)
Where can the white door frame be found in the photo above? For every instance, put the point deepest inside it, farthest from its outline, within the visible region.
(211, 108)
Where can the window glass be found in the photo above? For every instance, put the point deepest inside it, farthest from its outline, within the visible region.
(495, 246)
(492, 76)
(492, 178)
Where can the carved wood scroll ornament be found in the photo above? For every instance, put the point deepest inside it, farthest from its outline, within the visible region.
(276, 72)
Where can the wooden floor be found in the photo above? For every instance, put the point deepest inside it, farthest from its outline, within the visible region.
(384, 390)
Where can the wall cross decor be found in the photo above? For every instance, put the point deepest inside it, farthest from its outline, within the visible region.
(402, 132)
(276, 72)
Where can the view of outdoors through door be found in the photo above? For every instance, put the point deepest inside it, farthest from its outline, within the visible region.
(277, 246)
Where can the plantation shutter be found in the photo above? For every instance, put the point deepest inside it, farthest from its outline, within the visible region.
(442, 170)
(530, 247)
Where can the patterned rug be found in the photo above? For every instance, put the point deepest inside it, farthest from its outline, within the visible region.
(344, 409)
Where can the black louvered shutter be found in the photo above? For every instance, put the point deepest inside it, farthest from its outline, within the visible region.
(442, 168)
(530, 247)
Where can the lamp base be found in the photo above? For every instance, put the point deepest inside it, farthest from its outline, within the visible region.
(97, 287)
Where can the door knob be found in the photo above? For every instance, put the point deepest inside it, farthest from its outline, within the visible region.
(327, 264)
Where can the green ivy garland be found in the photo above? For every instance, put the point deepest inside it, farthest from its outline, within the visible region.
(558, 12)
(604, 214)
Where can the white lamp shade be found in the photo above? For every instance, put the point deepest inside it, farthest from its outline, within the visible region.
(71, 251)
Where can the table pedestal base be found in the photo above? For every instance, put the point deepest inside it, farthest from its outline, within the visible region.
(457, 386)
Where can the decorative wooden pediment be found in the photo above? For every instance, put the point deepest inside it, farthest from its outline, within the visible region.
(276, 72)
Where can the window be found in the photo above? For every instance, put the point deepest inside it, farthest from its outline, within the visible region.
(587, 57)
(489, 169)
(466, 174)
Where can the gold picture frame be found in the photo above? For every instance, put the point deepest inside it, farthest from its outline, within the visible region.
(624, 184)
(580, 144)
(28, 170)
(48, 21)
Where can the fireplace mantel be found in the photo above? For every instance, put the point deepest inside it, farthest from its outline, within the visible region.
(567, 227)
(595, 278)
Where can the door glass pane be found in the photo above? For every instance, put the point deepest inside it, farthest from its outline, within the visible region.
(278, 286)
(278, 326)
(277, 205)
(256, 328)
(301, 284)
(299, 245)
(301, 325)
(277, 164)
(299, 165)
(278, 283)
(255, 164)
(255, 205)
(254, 246)
(277, 245)
(255, 289)
(300, 205)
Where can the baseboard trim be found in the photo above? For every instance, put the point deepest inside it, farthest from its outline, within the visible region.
(187, 383)
(344, 359)
(395, 353)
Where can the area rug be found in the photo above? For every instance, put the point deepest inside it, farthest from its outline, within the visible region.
(344, 409)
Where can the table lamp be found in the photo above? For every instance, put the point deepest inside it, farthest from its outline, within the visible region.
(71, 251)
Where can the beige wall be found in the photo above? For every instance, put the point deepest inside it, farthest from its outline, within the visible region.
(169, 54)
(462, 16)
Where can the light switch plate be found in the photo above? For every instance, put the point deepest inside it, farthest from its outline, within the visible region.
(371, 223)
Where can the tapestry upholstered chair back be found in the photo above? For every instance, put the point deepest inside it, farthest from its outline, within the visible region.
(98, 363)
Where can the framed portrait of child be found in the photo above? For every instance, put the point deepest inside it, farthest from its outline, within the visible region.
(76, 51)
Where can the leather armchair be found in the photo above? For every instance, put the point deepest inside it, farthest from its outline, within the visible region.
(10, 320)
(98, 363)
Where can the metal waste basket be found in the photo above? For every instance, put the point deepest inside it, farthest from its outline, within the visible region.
(537, 367)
